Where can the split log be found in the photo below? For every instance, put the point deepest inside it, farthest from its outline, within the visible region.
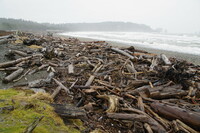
(123, 53)
(170, 112)
(10, 63)
(13, 75)
(165, 59)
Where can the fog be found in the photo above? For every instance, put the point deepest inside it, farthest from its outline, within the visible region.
(176, 16)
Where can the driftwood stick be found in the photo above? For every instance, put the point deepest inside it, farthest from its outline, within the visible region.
(123, 53)
(10, 63)
(39, 68)
(138, 117)
(9, 69)
(186, 126)
(22, 76)
(71, 69)
(13, 75)
(18, 52)
(189, 117)
(113, 102)
(92, 77)
(148, 128)
(31, 127)
(130, 117)
(140, 104)
(156, 127)
(61, 85)
(56, 91)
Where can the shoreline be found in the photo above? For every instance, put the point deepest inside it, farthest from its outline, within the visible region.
(181, 56)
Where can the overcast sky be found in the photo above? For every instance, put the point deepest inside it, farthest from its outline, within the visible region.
(174, 15)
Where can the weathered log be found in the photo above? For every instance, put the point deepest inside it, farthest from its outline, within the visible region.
(5, 37)
(10, 63)
(156, 127)
(123, 53)
(41, 82)
(186, 126)
(18, 52)
(9, 69)
(22, 76)
(169, 112)
(13, 75)
(69, 111)
(138, 117)
(165, 59)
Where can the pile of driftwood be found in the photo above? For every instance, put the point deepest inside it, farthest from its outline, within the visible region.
(111, 89)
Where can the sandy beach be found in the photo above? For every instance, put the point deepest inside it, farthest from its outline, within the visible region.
(181, 56)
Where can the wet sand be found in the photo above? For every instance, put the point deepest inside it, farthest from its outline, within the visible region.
(195, 59)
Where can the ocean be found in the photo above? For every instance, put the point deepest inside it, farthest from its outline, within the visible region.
(188, 44)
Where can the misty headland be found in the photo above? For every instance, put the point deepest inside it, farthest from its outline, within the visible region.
(124, 34)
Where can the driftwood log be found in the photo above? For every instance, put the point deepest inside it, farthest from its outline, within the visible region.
(10, 63)
(13, 75)
(170, 112)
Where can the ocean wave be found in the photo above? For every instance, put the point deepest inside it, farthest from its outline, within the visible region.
(175, 43)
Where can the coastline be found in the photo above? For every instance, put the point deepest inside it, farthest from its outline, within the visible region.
(181, 56)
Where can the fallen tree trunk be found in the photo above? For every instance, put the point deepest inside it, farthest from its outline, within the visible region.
(12, 76)
(169, 112)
